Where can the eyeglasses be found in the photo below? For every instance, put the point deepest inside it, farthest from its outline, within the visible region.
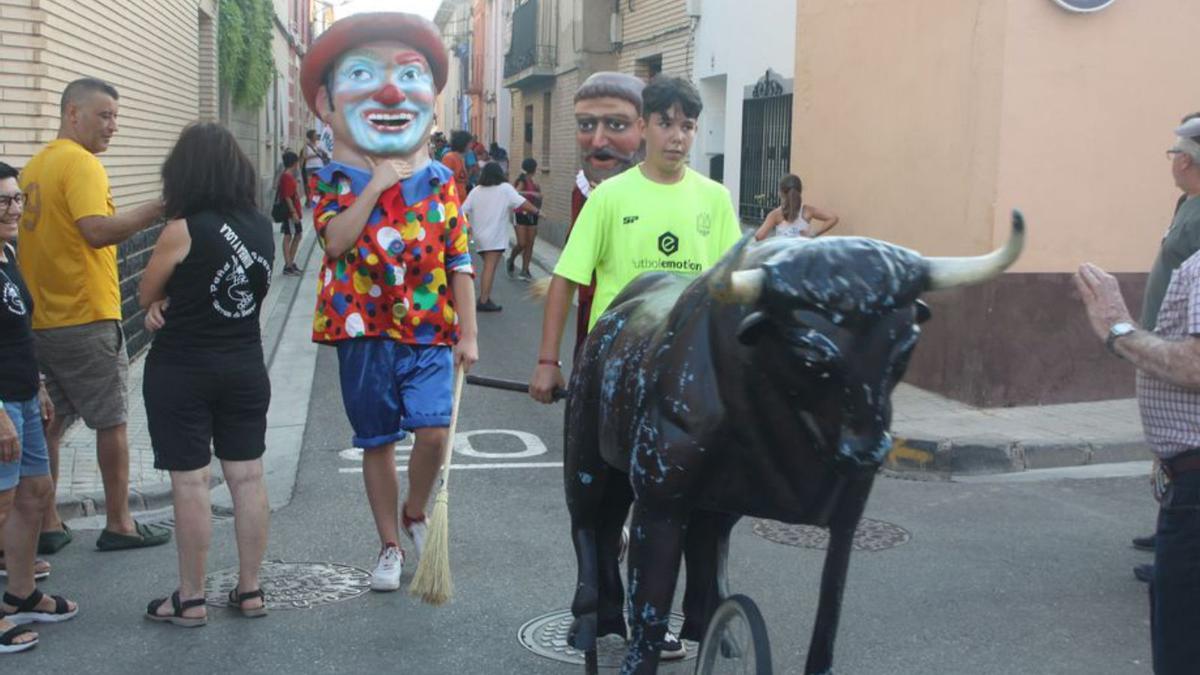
(1172, 152)
(7, 201)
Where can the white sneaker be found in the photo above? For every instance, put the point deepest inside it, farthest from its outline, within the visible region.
(673, 648)
(386, 576)
(416, 530)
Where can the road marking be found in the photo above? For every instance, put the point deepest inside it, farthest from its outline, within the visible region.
(533, 446)
(456, 467)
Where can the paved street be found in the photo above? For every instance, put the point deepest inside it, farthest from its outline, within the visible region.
(996, 576)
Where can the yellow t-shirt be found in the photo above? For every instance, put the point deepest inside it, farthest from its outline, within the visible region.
(630, 225)
(71, 282)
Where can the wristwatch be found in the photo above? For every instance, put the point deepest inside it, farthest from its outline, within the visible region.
(1118, 331)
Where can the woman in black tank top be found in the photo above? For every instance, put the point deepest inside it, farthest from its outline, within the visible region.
(205, 381)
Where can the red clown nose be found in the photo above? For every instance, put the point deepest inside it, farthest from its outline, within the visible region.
(388, 95)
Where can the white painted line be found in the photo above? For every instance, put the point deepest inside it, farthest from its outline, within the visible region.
(456, 467)
(1105, 470)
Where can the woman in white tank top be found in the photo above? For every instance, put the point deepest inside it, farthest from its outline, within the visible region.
(793, 218)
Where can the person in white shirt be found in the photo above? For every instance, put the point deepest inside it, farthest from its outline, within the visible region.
(487, 209)
(794, 218)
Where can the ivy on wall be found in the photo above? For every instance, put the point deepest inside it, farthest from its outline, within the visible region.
(244, 44)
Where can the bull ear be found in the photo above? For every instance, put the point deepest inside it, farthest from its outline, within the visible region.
(923, 312)
(753, 327)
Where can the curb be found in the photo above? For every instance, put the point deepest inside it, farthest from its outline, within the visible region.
(944, 458)
(159, 495)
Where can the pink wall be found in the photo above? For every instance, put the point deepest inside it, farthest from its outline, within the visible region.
(924, 122)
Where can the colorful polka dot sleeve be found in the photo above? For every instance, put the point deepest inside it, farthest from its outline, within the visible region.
(395, 281)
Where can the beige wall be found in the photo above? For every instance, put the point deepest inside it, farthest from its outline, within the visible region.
(155, 69)
(656, 27)
(963, 109)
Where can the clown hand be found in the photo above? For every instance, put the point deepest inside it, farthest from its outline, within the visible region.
(384, 174)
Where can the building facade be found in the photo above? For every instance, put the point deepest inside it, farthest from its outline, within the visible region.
(474, 98)
(962, 110)
(746, 85)
(162, 56)
(551, 47)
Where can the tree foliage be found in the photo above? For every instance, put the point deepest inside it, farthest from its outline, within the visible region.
(247, 66)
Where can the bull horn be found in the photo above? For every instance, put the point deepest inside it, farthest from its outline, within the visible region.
(746, 286)
(947, 273)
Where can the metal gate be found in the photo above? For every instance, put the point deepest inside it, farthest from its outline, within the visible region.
(766, 145)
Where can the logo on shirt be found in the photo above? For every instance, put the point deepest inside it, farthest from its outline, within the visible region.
(703, 224)
(231, 292)
(629, 220)
(12, 299)
(668, 243)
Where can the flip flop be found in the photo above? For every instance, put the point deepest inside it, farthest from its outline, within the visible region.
(54, 541)
(147, 535)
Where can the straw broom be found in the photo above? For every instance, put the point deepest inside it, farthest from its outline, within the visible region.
(432, 582)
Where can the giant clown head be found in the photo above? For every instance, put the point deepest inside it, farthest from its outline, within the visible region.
(608, 124)
(374, 79)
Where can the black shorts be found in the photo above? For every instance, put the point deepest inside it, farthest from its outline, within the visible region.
(193, 404)
(527, 219)
(290, 226)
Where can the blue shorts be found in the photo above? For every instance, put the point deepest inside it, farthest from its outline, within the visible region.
(389, 387)
(26, 416)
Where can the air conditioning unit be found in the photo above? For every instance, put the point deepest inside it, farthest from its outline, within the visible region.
(693, 8)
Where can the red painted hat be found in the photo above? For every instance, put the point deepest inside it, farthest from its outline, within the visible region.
(359, 29)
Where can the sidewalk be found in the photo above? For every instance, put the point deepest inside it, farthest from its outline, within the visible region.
(80, 491)
(940, 437)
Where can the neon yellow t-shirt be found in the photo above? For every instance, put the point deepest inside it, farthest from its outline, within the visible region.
(630, 225)
(71, 282)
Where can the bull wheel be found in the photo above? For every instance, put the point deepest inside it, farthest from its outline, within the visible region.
(736, 640)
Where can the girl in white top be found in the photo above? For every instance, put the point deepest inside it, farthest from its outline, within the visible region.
(487, 208)
(793, 218)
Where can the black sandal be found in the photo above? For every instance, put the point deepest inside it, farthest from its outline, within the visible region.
(27, 611)
(8, 643)
(236, 599)
(179, 607)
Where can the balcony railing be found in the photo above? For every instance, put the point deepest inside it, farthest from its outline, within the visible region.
(534, 56)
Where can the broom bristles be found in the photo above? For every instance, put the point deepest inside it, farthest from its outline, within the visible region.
(432, 581)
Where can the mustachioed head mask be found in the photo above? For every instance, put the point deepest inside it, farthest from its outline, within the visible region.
(607, 108)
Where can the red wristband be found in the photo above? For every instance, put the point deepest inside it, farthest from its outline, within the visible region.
(550, 362)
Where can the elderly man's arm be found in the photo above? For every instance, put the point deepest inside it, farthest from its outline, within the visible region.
(1173, 360)
(101, 231)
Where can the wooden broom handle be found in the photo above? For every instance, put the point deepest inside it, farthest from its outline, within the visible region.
(459, 374)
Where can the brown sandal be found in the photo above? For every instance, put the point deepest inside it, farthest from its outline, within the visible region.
(177, 618)
(236, 599)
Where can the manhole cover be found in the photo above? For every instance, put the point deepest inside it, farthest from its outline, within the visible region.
(870, 535)
(546, 636)
(295, 585)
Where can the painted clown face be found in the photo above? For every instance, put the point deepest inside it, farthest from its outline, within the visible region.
(609, 133)
(383, 99)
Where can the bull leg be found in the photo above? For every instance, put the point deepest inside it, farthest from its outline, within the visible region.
(586, 479)
(705, 552)
(850, 506)
(618, 496)
(655, 545)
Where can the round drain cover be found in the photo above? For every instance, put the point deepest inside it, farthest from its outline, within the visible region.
(295, 585)
(870, 535)
(546, 636)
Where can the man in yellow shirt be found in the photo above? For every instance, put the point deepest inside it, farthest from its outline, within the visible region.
(68, 252)
(660, 216)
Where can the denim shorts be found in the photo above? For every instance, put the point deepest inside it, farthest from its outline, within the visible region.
(389, 387)
(26, 416)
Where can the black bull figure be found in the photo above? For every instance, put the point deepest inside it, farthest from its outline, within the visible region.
(761, 388)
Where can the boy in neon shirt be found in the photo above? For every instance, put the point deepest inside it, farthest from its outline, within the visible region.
(396, 288)
(658, 216)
